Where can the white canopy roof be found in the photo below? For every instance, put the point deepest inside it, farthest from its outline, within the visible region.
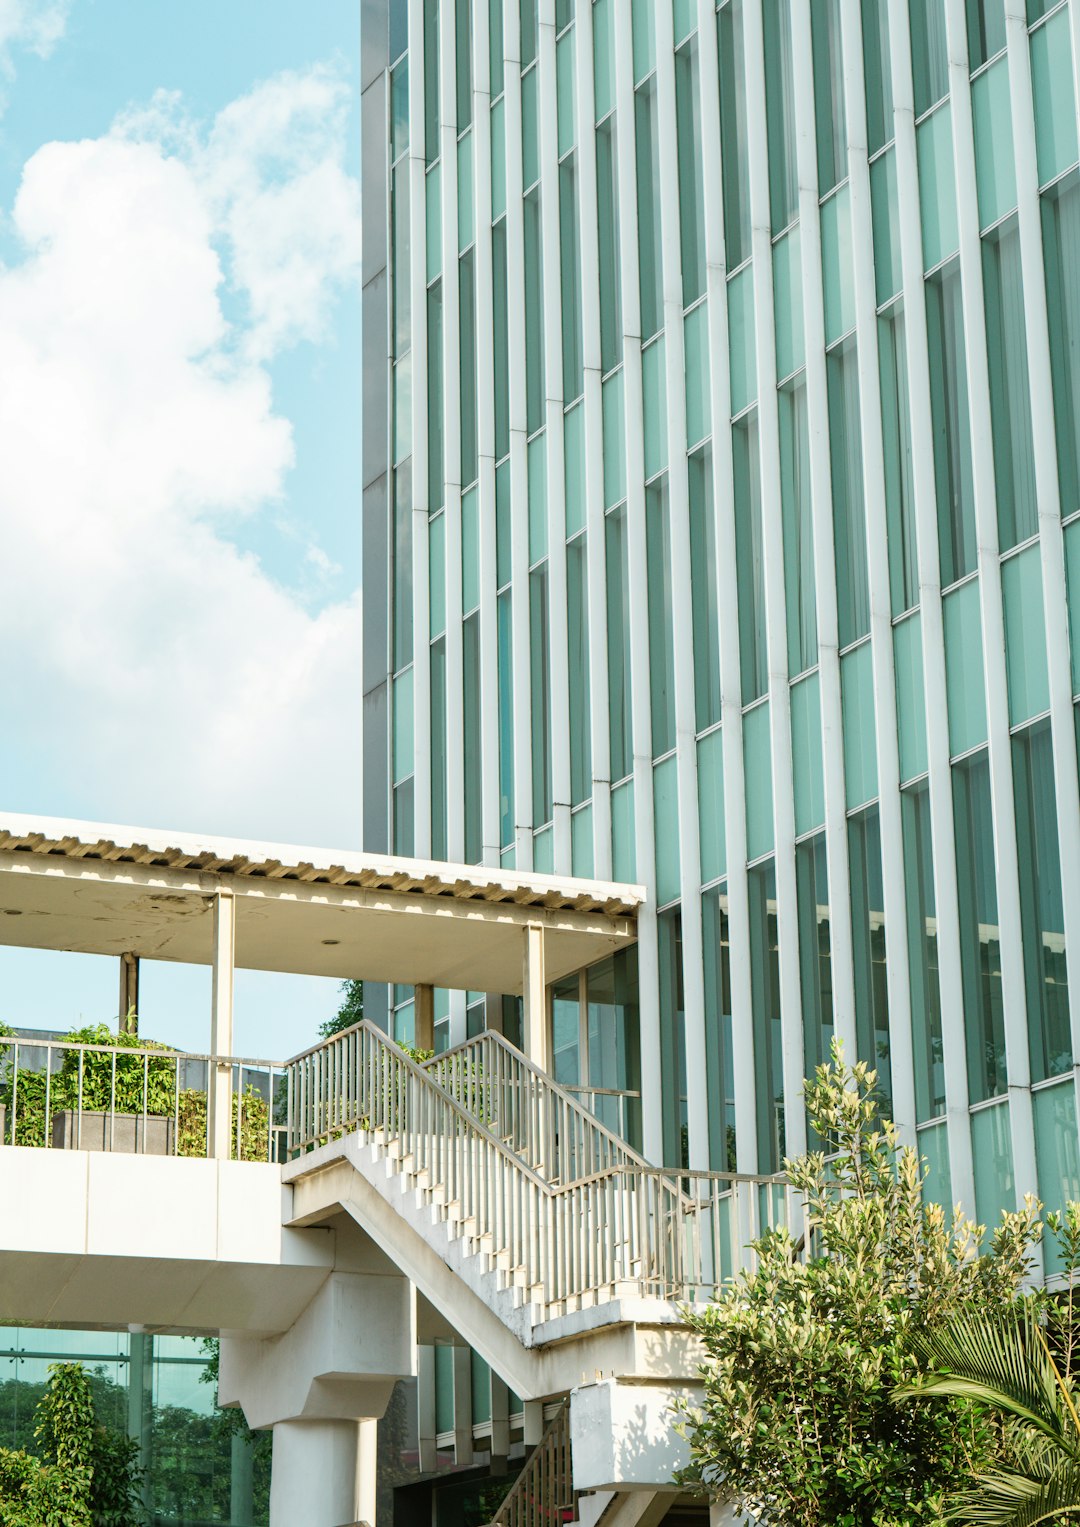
(103, 889)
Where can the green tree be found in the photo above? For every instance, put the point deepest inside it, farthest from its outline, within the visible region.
(1019, 1366)
(351, 1010)
(800, 1425)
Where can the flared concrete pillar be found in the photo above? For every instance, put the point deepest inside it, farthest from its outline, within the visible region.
(323, 1471)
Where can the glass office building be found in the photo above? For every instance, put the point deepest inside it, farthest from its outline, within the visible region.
(721, 532)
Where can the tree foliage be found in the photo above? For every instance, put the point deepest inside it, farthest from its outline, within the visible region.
(351, 1010)
(1020, 1366)
(83, 1474)
(800, 1424)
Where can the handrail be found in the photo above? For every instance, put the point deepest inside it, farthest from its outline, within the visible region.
(64, 1093)
(546, 1126)
(620, 1228)
(544, 1489)
(411, 1067)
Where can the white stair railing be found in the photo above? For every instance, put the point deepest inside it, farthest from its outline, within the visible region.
(541, 1122)
(624, 1228)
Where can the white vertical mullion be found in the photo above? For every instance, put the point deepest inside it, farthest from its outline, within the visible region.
(897, 968)
(595, 552)
(696, 1059)
(817, 413)
(519, 456)
(990, 598)
(558, 670)
(734, 791)
(455, 711)
(418, 281)
(640, 708)
(950, 975)
(772, 537)
(485, 418)
(1048, 490)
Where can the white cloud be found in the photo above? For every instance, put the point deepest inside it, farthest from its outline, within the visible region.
(37, 25)
(160, 674)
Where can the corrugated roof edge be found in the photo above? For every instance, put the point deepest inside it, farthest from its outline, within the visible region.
(279, 861)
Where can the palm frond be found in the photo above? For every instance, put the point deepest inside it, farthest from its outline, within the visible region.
(1004, 1499)
(1005, 1365)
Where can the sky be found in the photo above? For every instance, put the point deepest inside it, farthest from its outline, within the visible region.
(180, 484)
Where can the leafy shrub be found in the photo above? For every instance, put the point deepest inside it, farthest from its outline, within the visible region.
(254, 1124)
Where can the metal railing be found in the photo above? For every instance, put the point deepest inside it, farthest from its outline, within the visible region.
(541, 1122)
(543, 1494)
(60, 1094)
(626, 1228)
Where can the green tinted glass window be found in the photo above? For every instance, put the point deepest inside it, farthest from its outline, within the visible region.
(757, 765)
(495, 46)
(540, 684)
(618, 633)
(710, 767)
(1054, 94)
(885, 208)
(868, 947)
(849, 519)
(1061, 251)
(466, 219)
(470, 551)
(704, 590)
(929, 53)
(829, 115)
(431, 80)
(530, 127)
(780, 112)
(435, 386)
(438, 748)
(1010, 390)
(991, 1148)
(765, 1004)
(614, 439)
(788, 303)
(951, 426)
(937, 187)
(815, 951)
(734, 159)
(877, 66)
(500, 326)
(837, 265)
(504, 620)
(654, 406)
(401, 252)
(964, 667)
(798, 526)
(433, 221)
(565, 90)
(985, 30)
(1025, 636)
(577, 637)
(528, 12)
(404, 749)
(534, 314)
(806, 755)
(403, 581)
(437, 575)
(623, 845)
(536, 459)
(741, 335)
(498, 158)
(718, 1024)
(1042, 916)
(666, 829)
(470, 736)
(643, 33)
(574, 467)
(650, 252)
(995, 165)
(582, 854)
(661, 616)
(570, 266)
(603, 57)
(749, 557)
(696, 369)
(672, 1038)
(980, 939)
(691, 191)
(910, 696)
(896, 451)
(860, 742)
(467, 364)
(463, 61)
(1057, 1155)
(608, 246)
(922, 952)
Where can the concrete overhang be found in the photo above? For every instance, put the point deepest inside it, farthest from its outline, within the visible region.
(103, 889)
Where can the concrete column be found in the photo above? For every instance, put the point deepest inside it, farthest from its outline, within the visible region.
(128, 1007)
(316, 1474)
(424, 1008)
(535, 1028)
(140, 1401)
(221, 1025)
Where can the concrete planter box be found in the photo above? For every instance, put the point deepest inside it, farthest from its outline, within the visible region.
(129, 1133)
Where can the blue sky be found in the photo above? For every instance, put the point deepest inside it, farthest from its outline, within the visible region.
(180, 423)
